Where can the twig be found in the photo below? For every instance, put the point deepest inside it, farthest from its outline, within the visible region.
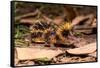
(27, 15)
(84, 27)
(78, 19)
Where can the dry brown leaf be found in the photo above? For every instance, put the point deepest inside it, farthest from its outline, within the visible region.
(27, 15)
(30, 63)
(94, 23)
(78, 19)
(83, 50)
(94, 54)
(65, 60)
(27, 21)
(16, 61)
(47, 18)
(58, 20)
(35, 53)
(86, 31)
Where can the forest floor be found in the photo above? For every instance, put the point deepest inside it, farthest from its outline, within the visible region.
(33, 25)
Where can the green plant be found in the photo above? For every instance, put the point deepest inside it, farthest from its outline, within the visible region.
(21, 30)
(44, 60)
(78, 34)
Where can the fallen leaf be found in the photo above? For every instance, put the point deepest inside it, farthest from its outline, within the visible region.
(28, 21)
(16, 61)
(58, 20)
(89, 48)
(30, 63)
(94, 54)
(78, 19)
(27, 15)
(65, 60)
(36, 53)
